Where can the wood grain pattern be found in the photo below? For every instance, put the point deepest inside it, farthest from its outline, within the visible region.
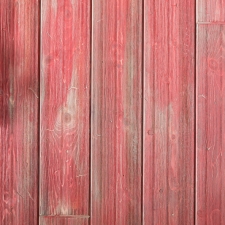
(210, 124)
(168, 161)
(116, 112)
(63, 220)
(19, 111)
(210, 11)
(65, 92)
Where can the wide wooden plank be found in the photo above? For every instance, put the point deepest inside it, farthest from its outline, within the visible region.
(210, 11)
(19, 25)
(169, 72)
(64, 220)
(116, 148)
(65, 108)
(210, 124)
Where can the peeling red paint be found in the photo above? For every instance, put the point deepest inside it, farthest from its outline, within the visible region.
(127, 127)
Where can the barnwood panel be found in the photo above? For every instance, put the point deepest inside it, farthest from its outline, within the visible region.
(116, 116)
(65, 92)
(210, 125)
(210, 11)
(19, 25)
(168, 160)
(64, 220)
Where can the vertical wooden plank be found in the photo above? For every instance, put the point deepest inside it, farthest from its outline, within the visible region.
(116, 112)
(210, 124)
(168, 160)
(65, 92)
(19, 26)
(210, 10)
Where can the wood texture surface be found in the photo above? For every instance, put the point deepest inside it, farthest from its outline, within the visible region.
(116, 148)
(127, 127)
(63, 220)
(169, 72)
(210, 11)
(210, 125)
(19, 111)
(65, 92)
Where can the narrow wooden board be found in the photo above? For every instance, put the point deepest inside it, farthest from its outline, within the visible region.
(116, 125)
(54, 220)
(65, 108)
(19, 90)
(210, 10)
(169, 74)
(210, 124)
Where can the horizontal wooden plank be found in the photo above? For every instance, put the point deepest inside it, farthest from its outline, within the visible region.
(169, 84)
(210, 10)
(210, 136)
(64, 220)
(65, 108)
(19, 90)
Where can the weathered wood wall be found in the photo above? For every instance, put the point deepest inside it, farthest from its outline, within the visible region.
(111, 112)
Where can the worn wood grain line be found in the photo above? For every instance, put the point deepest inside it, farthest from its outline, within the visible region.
(210, 10)
(116, 112)
(169, 84)
(19, 24)
(210, 121)
(63, 221)
(65, 92)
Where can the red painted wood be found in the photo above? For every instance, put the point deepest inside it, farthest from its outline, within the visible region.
(210, 124)
(142, 162)
(116, 112)
(168, 161)
(62, 220)
(65, 88)
(210, 10)
(19, 112)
